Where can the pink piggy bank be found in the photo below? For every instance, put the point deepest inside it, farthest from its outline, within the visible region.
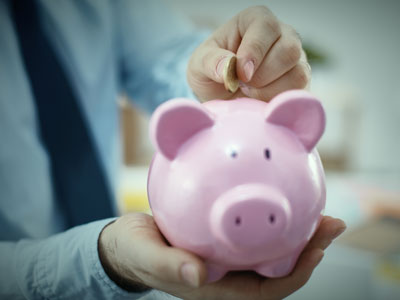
(239, 182)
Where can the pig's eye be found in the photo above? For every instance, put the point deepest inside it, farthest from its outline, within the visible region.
(267, 154)
(232, 151)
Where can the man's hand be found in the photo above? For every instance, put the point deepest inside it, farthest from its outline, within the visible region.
(270, 58)
(135, 253)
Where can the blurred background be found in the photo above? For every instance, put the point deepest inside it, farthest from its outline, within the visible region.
(353, 48)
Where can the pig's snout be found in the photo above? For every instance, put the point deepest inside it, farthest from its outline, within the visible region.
(249, 216)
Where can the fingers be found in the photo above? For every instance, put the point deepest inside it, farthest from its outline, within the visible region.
(259, 30)
(282, 287)
(155, 263)
(296, 78)
(270, 58)
(285, 67)
(311, 256)
(144, 257)
(282, 57)
(329, 229)
(181, 267)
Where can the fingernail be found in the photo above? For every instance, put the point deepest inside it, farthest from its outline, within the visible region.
(220, 68)
(338, 232)
(248, 70)
(190, 274)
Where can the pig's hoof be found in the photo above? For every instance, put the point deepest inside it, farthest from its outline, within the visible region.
(215, 272)
(276, 269)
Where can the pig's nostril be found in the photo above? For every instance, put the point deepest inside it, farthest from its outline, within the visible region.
(272, 218)
(238, 221)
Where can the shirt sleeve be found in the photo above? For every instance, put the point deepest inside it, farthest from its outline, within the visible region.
(154, 46)
(64, 266)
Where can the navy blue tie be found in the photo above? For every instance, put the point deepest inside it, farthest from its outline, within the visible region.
(78, 177)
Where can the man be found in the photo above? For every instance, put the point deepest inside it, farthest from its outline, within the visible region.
(63, 65)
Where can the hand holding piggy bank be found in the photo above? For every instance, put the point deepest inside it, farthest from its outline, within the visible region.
(239, 182)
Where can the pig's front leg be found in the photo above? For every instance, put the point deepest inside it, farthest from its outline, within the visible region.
(215, 272)
(278, 268)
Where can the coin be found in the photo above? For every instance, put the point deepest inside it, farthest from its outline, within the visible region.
(231, 81)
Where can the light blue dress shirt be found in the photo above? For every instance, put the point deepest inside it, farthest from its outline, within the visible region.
(107, 48)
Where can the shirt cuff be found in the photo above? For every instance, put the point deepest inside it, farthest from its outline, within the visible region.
(67, 266)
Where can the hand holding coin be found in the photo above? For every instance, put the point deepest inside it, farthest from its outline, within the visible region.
(254, 49)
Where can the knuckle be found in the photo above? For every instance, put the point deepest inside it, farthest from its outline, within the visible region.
(299, 282)
(265, 18)
(290, 29)
(300, 76)
(290, 54)
(302, 280)
(258, 47)
(272, 25)
(296, 281)
(269, 24)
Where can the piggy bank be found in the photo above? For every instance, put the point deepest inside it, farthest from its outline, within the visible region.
(239, 182)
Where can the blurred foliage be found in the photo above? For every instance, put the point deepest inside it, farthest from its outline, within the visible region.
(315, 56)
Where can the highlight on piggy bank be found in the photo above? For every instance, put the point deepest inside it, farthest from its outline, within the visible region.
(239, 182)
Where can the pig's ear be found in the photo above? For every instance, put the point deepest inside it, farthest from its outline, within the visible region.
(174, 122)
(300, 112)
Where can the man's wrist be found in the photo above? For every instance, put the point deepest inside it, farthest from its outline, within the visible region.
(110, 268)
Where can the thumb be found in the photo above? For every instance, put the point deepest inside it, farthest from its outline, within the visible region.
(160, 265)
(179, 266)
(209, 62)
